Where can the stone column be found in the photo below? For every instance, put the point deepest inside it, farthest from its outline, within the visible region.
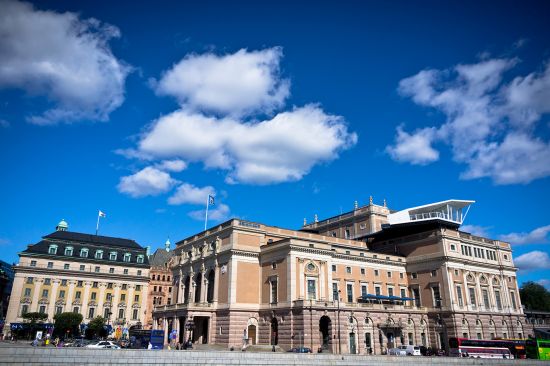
(85, 297)
(143, 307)
(129, 302)
(70, 295)
(204, 288)
(217, 271)
(322, 285)
(155, 323)
(176, 326)
(36, 294)
(301, 279)
(165, 324)
(101, 299)
(53, 296)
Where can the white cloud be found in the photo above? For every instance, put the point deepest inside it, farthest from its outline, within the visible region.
(489, 124)
(281, 149)
(62, 57)
(220, 213)
(475, 230)
(414, 148)
(544, 282)
(188, 193)
(533, 260)
(172, 165)
(235, 84)
(536, 236)
(147, 182)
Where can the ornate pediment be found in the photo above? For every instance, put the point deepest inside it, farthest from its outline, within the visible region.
(92, 303)
(135, 306)
(43, 301)
(26, 300)
(60, 302)
(77, 302)
(122, 305)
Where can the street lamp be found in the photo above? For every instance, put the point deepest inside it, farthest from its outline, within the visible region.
(338, 322)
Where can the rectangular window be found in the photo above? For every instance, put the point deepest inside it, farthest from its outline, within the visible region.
(66, 266)
(76, 310)
(122, 297)
(106, 313)
(110, 285)
(79, 284)
(33, 263)
(112, 256)
(109, 297)
(82, 267)
(50, 264)
(414, 275)
(401, 275)
(58, 309)
(138, 287)
(45, 293)
(434, 273)
(334, 268)
(121, 313)
(348, 269)
(347, 234)
(459, 295)
(377, 290)
(139, 272)
(364, 290)
(416, 295)
(91, 313)
(30, 280)
(47, 281)
(111, 270)
(99, 254)
(362, 271)
(472, 292)
(390, 291)
(69, 251)
(485, 294)
(403, 292)
(93, 296)
(52, 249)
(96, 269)
(389, 274)
(27, 292)
(376, 272)
(127, 257)
(124, 286)
(135, 314)
(62, 294)
(125, 271)
(139, 259)
(95, 284)
(42, 309)
(84, 253)
(349, 289)
(136, 298)
(311, 289)
(437, 296)
(77, 294)
(334, 291)
(274, 291)
(24, 309)
(497, 299)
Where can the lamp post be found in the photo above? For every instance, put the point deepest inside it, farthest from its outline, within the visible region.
(338, 322)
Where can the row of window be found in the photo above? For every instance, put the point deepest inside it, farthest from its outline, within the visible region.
(78, 294)
(363, 271)
(159, 288)
(158, 300)
(91, 311)
(480, 252)
(95, 284)
(158, 278)
(485, 297)
(97, 269)
(113, 255)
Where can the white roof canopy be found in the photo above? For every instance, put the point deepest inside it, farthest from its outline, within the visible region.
(449, 210)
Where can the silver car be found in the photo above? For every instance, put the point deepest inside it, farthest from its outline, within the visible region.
(398, 351)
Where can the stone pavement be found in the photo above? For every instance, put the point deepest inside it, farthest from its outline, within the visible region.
(80, 356)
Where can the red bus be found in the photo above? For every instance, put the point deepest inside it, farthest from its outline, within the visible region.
(458, 346)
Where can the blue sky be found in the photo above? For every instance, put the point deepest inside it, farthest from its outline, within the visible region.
(280, 110)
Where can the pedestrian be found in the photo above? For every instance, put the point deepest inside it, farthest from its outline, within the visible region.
(150, 346)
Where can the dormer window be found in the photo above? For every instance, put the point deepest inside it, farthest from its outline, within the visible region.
(139, 258)
(52, 249)
(112, 256)
(84, 252)
(68, 250)
(99, 254)
(127, 257)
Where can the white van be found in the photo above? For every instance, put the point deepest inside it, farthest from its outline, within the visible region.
(411, 350)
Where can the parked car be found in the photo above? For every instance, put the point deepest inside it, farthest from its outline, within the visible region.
(104, 344)
(426, 351)
(412, 350)
(398, 351)
(300, 350)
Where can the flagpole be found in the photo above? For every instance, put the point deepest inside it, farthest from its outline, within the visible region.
(206, 213)
(97, 225)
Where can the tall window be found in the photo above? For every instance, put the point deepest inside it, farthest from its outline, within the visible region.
(274, 291)
(93, 296)
(135, 314)
(42, 309)
(390, 291)
(77, 295)
(139, 258)
(45, 293)
(68, 250)
(485, 294)
(349, 291)
(62, 294)
(27, 292)
(497, 299)
(459, 295)
(416, 295)
(334, 291)
(377, 290)
(437, 296)
(403, 292)
(76, 310)
(52, 249)
(311, 289)
(364, 290)
(24, 309)
(121, 313)
(91, 313)
(472, 292)
(58, 309)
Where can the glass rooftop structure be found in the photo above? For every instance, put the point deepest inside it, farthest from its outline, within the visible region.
(453, 211)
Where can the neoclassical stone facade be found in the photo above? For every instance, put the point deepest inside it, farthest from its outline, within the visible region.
(350, 284)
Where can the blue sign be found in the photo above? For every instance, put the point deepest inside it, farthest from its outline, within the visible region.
(157, 338)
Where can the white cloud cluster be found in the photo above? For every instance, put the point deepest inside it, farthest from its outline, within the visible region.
(475, 230)
(536, 236)
(175, 165)
(235, 84)
(217, 213)
(533, 260)
(188, 193)
(283, 148)
(147, 182)
(62, 57)
(490, 125)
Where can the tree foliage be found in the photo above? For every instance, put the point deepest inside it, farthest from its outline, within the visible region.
(534, 296)
(96, 327)
(35, 317)
(67, 323)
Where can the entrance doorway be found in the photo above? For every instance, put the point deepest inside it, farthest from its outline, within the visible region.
(352, 346)
(325, 327)
(391, 340)
(200, 333)
(251, 331)
(274, 332)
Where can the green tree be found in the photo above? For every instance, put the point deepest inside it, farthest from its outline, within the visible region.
(34, 318)
(67, 323)
(96, 327)
(534, 296)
